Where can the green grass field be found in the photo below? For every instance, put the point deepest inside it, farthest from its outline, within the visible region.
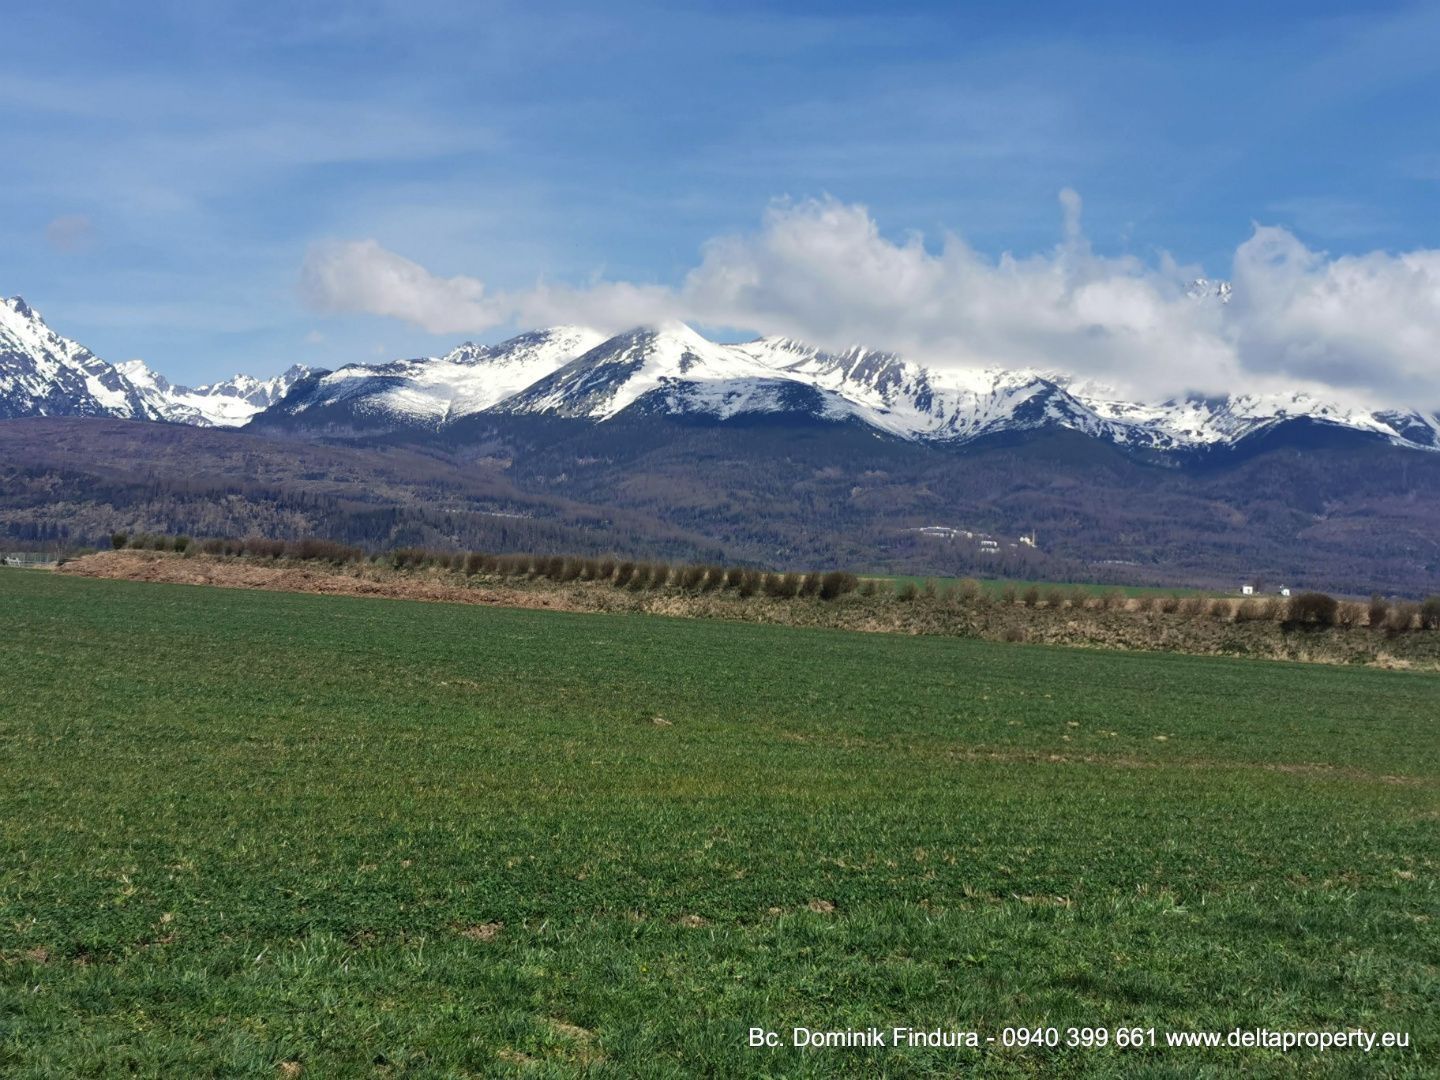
(261, 834)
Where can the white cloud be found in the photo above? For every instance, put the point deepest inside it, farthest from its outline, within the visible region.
(1367, 327)
(361, 276)
(1366, 322)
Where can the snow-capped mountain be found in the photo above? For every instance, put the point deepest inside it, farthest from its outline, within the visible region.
(576, 373)
(905, 399)
(44, 374)
(669, 369)
(229, 403)
(432, 390)
(673, 370)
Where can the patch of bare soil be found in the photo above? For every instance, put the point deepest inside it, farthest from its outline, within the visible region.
(244, 574)
(483, 932)
(582, 1041)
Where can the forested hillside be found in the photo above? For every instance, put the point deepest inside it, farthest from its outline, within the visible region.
(1351, 518)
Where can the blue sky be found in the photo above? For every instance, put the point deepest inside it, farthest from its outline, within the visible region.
(169, 167)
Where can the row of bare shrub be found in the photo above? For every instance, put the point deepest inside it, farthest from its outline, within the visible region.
(1305, 610)
(970, 593)
(309, 549)
(149, 542)
(258, 547)
(626, 574)
(640, 576)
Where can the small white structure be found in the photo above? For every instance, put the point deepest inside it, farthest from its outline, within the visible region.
(1247, 590)
(1028, 541)
(1284, 590)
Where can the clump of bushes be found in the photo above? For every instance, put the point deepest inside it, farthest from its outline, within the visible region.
(317, 550)
(1379, 611)
(781, 586)
(1312, 609)
(1349, 614)
(1250, 610)
(1401, 618)
(409, 558)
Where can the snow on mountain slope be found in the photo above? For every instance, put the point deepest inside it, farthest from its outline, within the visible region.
(466, 380)
(578, 373)
(1203, 422)
(672, 367)
(44, 374)
(229, 403)
(913, 402)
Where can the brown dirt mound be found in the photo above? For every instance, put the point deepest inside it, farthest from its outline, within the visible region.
(241, 574)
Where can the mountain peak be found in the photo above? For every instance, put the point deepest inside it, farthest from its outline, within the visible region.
(45, 374)
(18, 305)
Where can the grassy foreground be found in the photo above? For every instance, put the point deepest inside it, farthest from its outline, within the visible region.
(250, 833)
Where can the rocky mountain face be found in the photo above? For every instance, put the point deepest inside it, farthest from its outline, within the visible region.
(44, 374)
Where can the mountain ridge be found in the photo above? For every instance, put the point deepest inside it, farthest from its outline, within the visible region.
(670, 369)
(43, 373)
(673, 369)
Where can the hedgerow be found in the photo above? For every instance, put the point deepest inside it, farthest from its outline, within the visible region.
(1308, 610)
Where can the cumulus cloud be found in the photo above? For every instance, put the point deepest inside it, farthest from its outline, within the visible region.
(1364, 327)
(360, 276)
(1363, 321)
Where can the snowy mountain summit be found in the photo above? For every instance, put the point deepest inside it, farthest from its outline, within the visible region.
(673, 370)
(44, 374)
(576, 374)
